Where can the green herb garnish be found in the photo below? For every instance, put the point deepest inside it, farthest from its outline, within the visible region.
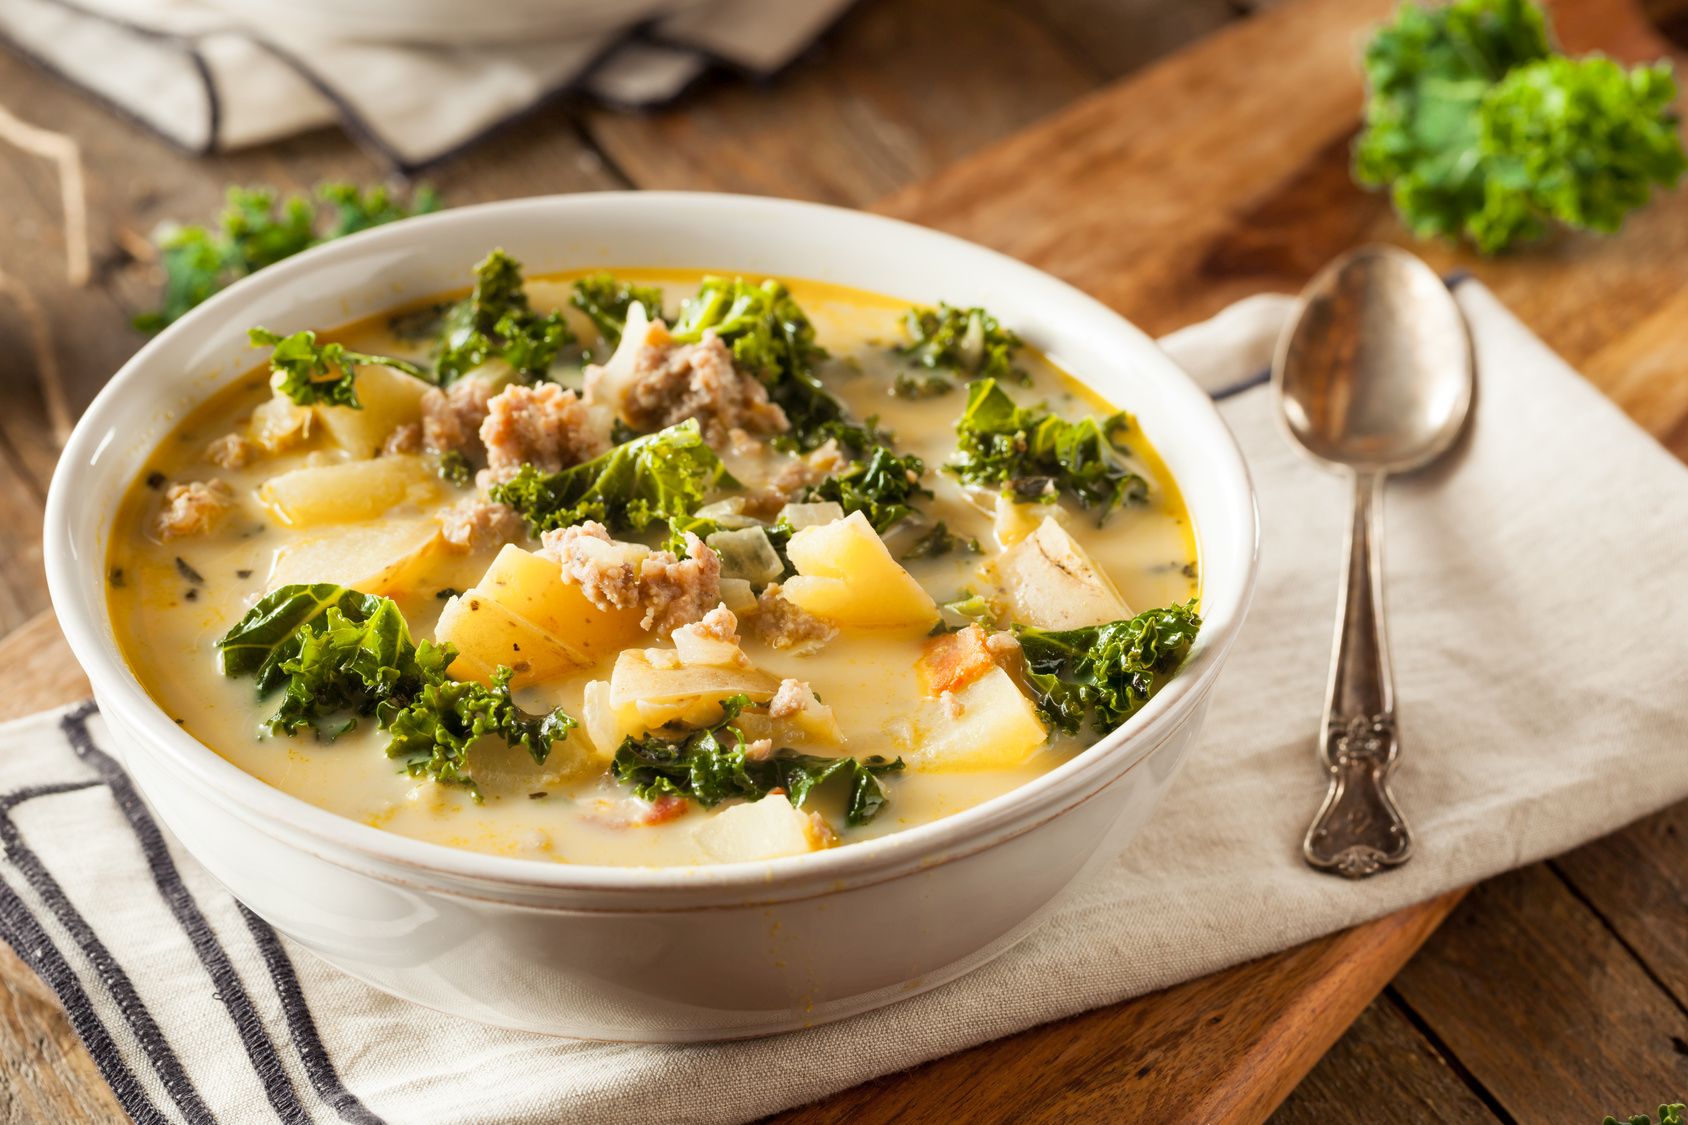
(496, 322)
(1034, 455)
(709, 766)
(1674, 1114)
(969, 341)
(308, 372)
(1480, 129)
(1102, 674)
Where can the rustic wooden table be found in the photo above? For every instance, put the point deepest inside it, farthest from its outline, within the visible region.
(1557, 992)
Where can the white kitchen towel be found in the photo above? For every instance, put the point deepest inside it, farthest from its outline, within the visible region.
(1539, 643)
(216, 75)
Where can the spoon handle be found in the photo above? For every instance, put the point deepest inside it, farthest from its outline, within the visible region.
(1359, 831)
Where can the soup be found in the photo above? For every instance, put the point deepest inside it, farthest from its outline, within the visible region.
(652, 568)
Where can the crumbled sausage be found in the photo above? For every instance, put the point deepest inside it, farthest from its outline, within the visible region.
(676, 592)
(231, 451)
(451, 418)
(193, 508)
(792, 697)
(544, 425)
(673, 382)
(672, 591)
(406, 438)
(783, 625)
(759, 750)
(479, 524)
(719, 624)
(795, 477)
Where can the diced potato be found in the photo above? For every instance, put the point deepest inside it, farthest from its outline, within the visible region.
(738, 596)
(1050, 583)
(1014, 521)
(729, 513)
(640, 679)
(378, 559)
(350, 490)
(845, 574)
(747, 553)
(533, 587)
(488, 635)
(987, 725)
(390, 399)
(804, 515)
(765, 829)
(697, 647)
(605, 725)
(279, 423)
(954, 660)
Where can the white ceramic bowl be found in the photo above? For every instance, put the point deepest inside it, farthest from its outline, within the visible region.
(670, 954)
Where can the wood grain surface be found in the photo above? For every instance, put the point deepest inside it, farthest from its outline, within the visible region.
(1215, 172)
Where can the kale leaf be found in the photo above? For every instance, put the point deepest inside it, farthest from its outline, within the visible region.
(940, 540)
(432, 733)
(1034, 455)
(710, 766)
(661, 476)
(1102, 674)
(1480, 129)
(338, 655)
(495, 321)
(256, 229)
(881, 487)
(308, 372)
(770, 336)
(605, 300)
(969, 341)
(915, 388)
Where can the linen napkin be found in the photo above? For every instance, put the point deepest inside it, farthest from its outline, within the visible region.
(212, 76)
(1538, 655)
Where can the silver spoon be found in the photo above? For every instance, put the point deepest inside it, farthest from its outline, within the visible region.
(1373, 376)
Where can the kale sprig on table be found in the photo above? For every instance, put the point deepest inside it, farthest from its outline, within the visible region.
(1480, 129)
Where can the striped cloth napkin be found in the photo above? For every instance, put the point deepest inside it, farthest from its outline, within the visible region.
(211, 76)
(1538, 651)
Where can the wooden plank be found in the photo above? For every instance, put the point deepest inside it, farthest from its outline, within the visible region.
(1544, 1007)
(1637, 880)
(1116, 37)
(1383, 1068)
(898, 90)
(45, 1075)
(1227, 1047)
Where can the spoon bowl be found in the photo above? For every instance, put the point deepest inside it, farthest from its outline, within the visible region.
(1376, 373)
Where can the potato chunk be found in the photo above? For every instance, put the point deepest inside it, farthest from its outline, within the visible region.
(390, 399)
(488, 635)
(532, 587)
(1050, 583)
(987, 725)
(605, 725)
(765, 829)
(349, 491)
(663, 690)
(377, 560)
(845, 574)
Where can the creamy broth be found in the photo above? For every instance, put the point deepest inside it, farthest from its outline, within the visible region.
(172, 600)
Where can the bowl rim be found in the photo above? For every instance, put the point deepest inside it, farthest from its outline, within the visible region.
(348, 840)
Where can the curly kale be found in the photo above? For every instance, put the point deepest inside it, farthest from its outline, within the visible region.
(667, 475)
(970, 342)
(605, 300)
(256, 229)
(338, 655)
(1481, 130)
(1102, 674)
(496, 322)
(1034, 455)
(940, 540)
(308, 372)
(710, 766)
(882, 487)
(770, 337)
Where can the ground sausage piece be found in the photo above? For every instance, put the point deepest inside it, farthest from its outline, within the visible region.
(451, 419)
(193, 508)
(545, 426)
(792, 697)
(677, 592)
(478, 524)
(783, 625)
(672, 383)
(795, 477)
(231, 451)
(404, 439)
(672, 591)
